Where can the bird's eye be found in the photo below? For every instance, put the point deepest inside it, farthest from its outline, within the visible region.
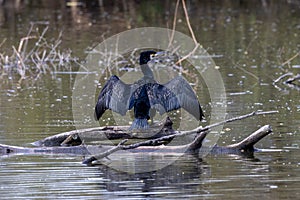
(152, 55)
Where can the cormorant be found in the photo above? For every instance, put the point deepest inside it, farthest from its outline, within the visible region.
(146, 94)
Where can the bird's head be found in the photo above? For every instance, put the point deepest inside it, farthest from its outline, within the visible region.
(146, 56)
(163, 59)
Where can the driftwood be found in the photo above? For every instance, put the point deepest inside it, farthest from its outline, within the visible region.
(192, 147)
(12, 150)
(75, 137)
(163, 132)
(246, 146)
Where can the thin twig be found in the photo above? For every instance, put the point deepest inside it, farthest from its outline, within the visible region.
(188, 55)
(250, 73)
(188, 22)
(26, 41)
(22, 41)
(105, 153)
(282, 76)
(290, 59)
(37, 47)
(199, 129)
(192, 33)
(3, 41)
(250, 43)
(174, 25)
(21, 64)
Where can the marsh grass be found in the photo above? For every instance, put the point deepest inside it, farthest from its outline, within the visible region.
(35, 55)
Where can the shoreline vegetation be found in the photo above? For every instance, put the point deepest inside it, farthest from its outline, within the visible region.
(35, 55)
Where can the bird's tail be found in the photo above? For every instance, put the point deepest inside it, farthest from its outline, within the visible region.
(139, 124)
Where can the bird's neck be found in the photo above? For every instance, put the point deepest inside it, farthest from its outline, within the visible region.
(147, 71)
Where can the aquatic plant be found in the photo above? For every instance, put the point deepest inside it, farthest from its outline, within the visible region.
(35, 55)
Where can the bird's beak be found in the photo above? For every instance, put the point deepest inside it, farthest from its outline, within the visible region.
(160, 53)
(157, 54)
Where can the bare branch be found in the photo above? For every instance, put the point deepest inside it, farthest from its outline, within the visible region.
(290, 59)
(105, 154)
(3, 41)
(174, 24)
(282, 76)
(291, 80)
(188, 22)
(253, 138)
(188, 55)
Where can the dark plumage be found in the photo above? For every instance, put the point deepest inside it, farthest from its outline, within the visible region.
(146, 94)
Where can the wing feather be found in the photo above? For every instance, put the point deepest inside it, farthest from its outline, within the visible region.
(161, 98)
(186, 96)
(113, 96)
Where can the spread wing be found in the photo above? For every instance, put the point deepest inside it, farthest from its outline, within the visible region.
(186, 96)
(113, 96)
(161, 98)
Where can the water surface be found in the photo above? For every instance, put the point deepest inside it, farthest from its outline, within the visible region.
(252, 40)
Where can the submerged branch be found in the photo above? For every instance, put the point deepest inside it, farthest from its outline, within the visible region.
(282, 76)
(294, 78)
(290, 82)
(252, 139)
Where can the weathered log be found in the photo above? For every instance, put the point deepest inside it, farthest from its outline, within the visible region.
(244, 147)
(162, 132)
(198, 130)
(76, 150)
(75, 137)
(247, 145)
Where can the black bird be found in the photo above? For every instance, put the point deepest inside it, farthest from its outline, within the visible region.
(145, 94)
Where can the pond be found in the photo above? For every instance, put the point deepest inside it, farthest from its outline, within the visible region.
(249, 44)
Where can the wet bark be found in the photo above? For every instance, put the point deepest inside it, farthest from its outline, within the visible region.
(75, 137)
(72, 142)
(246, 146)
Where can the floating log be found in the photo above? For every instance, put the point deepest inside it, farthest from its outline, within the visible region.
(161, 132)
(12, 150)
(75, 137)
(158, 136)
(245, 147)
